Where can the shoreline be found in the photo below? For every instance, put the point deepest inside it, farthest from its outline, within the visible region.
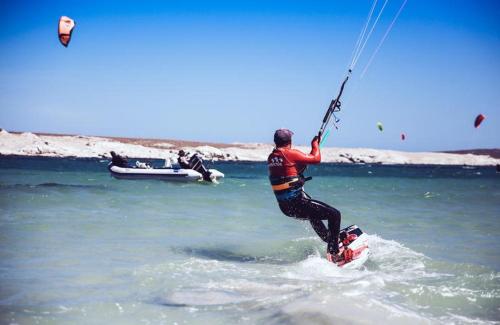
(26, 144)
(97, 159)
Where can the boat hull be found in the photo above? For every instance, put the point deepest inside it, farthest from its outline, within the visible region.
(166, 174)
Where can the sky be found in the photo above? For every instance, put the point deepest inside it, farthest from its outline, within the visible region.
(235, 71)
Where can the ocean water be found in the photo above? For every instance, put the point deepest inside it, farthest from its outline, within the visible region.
(79, 247)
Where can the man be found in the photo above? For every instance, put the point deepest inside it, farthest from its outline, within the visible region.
(286, 166)
(182, 160)
(118, 160)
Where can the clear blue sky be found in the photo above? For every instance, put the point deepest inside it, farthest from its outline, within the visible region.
(234, 71)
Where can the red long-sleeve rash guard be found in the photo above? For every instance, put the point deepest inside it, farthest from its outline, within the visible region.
(286, 162)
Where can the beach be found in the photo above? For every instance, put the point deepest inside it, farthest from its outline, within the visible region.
(79, 146)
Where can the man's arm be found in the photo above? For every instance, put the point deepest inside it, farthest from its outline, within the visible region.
(183, 162)
(303, 158)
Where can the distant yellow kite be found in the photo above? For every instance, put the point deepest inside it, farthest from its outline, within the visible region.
(65, 30)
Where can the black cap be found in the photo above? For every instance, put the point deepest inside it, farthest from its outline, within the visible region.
(282, 137)
(182, 153)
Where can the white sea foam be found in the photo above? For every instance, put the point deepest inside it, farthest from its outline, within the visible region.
(313, 286)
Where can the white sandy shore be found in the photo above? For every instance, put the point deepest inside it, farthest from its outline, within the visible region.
(29, 144)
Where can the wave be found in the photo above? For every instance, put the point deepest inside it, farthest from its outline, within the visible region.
(405, 283)
(50, 185)
(396, 285)
(294, 251)
(221, 254)
(245, 177)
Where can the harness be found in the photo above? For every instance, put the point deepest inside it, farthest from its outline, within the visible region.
(287, 187)
(281, 183)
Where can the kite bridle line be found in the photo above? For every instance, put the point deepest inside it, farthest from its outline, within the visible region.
(383, 39)
(363, 38)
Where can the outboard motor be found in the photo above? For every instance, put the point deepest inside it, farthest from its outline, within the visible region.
(196, 163)
(118, 160)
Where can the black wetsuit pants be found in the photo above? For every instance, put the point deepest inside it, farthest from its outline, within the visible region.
(303, 207)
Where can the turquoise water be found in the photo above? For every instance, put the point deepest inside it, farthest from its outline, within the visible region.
(79, 247)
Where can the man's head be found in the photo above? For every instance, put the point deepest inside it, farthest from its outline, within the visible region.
(282, 137)
(181, 153)
(113, 154)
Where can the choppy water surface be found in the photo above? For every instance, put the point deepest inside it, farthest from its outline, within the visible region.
(77, 246)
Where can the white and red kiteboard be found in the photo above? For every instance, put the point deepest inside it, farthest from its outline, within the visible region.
(353, 245)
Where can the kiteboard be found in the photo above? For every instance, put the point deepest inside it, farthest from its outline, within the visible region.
(353, 246)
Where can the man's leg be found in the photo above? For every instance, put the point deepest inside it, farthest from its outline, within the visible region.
(320, 211)
(315, 211)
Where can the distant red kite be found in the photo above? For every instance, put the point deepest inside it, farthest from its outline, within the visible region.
(479, 119)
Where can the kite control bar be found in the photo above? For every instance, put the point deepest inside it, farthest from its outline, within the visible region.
(334, 106)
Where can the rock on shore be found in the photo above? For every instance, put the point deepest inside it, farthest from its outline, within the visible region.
(50, 145)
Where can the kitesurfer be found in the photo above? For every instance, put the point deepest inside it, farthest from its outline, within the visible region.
(286, 167)
(118, 160)
(182, 160)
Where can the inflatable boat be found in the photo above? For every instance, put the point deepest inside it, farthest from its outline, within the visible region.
(166, 174)
(169, 174)
(195, 171)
